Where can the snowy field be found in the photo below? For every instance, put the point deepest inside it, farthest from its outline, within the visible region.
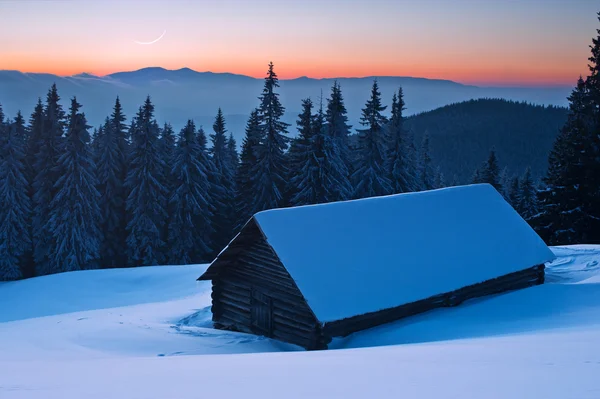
(146, 333)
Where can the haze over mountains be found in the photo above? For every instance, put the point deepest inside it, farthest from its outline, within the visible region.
(182, 94)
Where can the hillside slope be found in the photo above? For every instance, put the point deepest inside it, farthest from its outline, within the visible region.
(158, 342)
(462, 135)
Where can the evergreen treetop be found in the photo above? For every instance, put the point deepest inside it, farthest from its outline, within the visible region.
(75, 215)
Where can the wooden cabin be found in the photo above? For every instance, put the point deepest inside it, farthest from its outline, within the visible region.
(306, 274)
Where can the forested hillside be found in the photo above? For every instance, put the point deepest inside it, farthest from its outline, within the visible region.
(462, 135)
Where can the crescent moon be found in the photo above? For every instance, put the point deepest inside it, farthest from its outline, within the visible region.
(153, 41)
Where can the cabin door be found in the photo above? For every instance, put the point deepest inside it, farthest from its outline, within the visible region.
(262, 310)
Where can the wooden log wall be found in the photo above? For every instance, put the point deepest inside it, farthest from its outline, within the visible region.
(250, 263)
(509, 282)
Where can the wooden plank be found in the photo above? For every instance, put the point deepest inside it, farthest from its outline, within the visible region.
(300, 317)
(518, 280)
(241, 300)
(232, 318)
(253, 289)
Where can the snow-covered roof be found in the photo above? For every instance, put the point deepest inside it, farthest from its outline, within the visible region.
(354, 257)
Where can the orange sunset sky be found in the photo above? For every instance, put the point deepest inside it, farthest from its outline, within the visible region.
(484, 42)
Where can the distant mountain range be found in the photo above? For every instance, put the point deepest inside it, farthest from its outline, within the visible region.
(184, 93)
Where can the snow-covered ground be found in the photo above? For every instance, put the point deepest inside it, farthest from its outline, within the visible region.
(146, 333)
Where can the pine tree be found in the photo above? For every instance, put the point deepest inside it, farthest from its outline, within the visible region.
(505, 183)
(147, 194)
(527, 196)
(514, 194)
(244, 180)
(3, 125)
(476, 178)
(412, 166)
(75, 216)
(167, 142)
(592, 161)
(399, 163)
(224, 194)
(95, 140)
(204, 221)
(167, 151)
(117, 121)
(45, 180)
(15, 241)
(371, 177)
(190, 201)
(490, 173)
(438, 180)
(336, 117)
(455, 181)
(426, 173)
(232, 154)
(270, 170)
(111, 163)
(321, 176)
(299, 151)
(32, 147)
(564, 217)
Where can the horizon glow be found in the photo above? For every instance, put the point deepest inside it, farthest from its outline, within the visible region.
(481, 42)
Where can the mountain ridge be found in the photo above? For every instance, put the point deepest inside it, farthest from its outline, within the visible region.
(182, 94)
(299, 78)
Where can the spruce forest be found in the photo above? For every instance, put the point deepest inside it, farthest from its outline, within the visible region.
(134, 193)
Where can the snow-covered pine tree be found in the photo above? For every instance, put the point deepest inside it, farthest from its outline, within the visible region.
(322, 175)
(476, 177)
(592, 181)
(299, 151)
(244, 181)
(3, 124)
(147, 194)
(46, 176)
(110, 163)
(190, 201)
(514, 194)
(270, 170)
(35, 137)
(15, 239)
(117, 122)
(95, 139)
(232, 154)
(563, 218)
(490, 172)
(527, 196)
(426, 172)
(21, 133)
(122, 132)
(167, 142)
(75, 215)
(438, 180)
(371, 177)
(455, 181)
(412, 157)
(336, 117)
(223, 197)
(204, 222)
(398, 160)
(505, 183)
(167, 150)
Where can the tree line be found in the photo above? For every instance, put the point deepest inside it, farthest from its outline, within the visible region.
(137, 193)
